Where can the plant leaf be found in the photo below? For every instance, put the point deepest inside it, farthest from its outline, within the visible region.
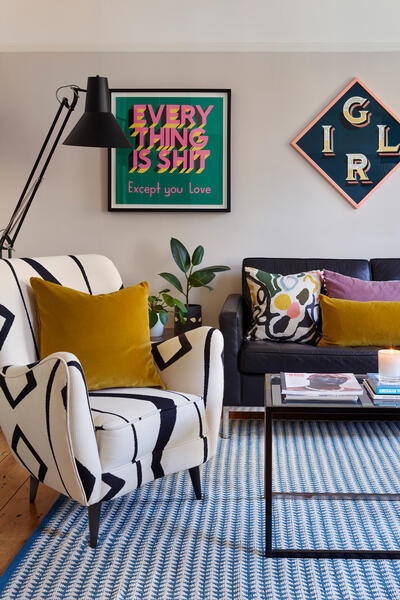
(163, 316)
(155, 307)
(201, 278)
(180, 305)
(152, 318)
(209, 287)
(197, 256)
(152, 298)
(163, 291)
(214, 269)
(173, 280)
(169, 301)
(180, 254)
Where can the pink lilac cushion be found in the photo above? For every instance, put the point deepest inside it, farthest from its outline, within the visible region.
(350, 288)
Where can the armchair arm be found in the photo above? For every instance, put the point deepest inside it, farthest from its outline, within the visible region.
(192, 363)
(46, 418)
(231, 325)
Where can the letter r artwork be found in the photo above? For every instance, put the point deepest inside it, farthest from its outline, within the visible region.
(354, 142)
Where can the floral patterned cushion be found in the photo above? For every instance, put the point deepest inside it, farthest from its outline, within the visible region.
(285, 308)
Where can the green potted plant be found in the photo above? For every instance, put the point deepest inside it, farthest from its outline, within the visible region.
(194, 278)
(159, 305)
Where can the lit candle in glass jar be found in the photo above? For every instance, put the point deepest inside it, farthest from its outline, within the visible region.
(389, 365)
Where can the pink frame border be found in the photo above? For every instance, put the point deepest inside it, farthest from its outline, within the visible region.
(335, 185)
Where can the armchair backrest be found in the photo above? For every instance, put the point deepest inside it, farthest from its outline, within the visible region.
(90, 273)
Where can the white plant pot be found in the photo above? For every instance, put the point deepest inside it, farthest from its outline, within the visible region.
(157, 330)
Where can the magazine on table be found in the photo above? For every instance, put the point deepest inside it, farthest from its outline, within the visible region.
(382, 399)
(316, 399)
(320, 386)
(382, 388)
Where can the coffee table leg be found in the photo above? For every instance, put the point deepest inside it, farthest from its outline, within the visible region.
(268, 480)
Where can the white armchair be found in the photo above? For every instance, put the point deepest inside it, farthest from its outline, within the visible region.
(99, 445)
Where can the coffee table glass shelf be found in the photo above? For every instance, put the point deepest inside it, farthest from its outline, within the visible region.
(276, 408)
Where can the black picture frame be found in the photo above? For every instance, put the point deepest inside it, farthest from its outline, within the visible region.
(225, 205)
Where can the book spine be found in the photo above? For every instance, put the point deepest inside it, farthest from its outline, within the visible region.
(382, 390)
(314, 394)
(379, 402)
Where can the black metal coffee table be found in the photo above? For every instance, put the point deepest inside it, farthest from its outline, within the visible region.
(276, 409)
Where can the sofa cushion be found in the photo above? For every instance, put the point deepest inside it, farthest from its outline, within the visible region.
(133, 423)
(350, 323)
(385, 269)
(285, 308)
(344, 287)
(272, 357)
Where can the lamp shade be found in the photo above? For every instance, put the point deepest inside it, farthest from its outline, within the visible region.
(97, 127)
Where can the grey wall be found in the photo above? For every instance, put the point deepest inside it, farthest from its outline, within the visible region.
(280, 205)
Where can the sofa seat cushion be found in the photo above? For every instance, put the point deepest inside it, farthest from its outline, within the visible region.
(257, 357)
(132, 423)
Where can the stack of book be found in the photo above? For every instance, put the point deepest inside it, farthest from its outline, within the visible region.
(382, 394)
(320, 387)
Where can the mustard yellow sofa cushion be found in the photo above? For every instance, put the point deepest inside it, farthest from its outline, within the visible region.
(109, 333)
(351, 323)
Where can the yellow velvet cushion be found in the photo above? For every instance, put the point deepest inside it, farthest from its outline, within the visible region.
(109, 333)
(350, 323)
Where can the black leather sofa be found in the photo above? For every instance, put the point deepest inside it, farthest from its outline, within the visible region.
(246, 362)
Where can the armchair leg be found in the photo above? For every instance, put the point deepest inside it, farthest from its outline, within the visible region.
(94, 521)
(195, 477)
(33, 488)
(224, 431)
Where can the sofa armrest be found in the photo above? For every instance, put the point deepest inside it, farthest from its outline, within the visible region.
(46, 419)
(231, 325)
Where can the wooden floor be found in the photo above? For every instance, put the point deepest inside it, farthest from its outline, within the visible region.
(18, 518)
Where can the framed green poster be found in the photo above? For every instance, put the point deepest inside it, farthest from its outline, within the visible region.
(180, 155)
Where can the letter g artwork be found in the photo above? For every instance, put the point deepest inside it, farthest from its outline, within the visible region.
(354, 142)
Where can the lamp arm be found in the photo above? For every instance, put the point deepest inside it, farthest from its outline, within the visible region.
(11, 231)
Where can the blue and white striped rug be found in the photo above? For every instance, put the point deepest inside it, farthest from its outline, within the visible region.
(160, 543)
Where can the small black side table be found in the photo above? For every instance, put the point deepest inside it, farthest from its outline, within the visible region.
(275, 409)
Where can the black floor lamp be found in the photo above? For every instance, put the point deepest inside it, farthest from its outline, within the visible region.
(96, 128)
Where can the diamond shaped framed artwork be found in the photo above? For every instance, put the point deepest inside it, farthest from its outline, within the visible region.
(354, 142)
